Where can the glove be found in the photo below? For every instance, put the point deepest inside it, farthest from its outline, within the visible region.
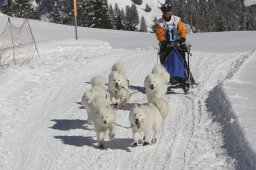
(183, 44)
(163, 46)
(164, 43)
(182, 40)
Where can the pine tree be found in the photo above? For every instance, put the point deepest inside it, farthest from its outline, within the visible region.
(138, 2)
(55, 14)
(119, 18)
(81, 12)
(192, 9)
(153, 27)
(113, 17)
(88, 13)
(252, 17)
(220, 20)
(20, 8)
(7, 8)
(143, 25)
(147, 8)
(102, 17)
(181, 9)
(243, 22)
(244, 19)
(131, 18)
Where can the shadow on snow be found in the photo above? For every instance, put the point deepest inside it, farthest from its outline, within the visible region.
(66, 124)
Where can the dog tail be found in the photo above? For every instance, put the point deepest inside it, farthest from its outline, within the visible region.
(119, 67)
(98, 81)
(162, 106)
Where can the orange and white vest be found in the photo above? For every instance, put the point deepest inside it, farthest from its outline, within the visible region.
(174, 27)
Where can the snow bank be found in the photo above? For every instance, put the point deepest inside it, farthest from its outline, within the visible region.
(249, 2)
(234, 139)
(231, 104)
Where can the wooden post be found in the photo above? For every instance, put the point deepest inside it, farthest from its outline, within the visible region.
(13, 45)
(75, 17)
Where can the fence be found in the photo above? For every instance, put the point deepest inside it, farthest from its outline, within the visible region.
(17, 44)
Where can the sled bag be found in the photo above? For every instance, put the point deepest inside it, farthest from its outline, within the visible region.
(174, 64)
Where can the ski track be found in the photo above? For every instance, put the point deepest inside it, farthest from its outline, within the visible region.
(47, 130)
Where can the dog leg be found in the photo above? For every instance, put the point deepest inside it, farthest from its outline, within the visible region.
(101, 147)
(100, 137)
(112, 132)
(156, 130)
(134, 145)
(89, 119)
(146, 140)
(146, 137)
(136, 136)
(111, 97)
(145, 143)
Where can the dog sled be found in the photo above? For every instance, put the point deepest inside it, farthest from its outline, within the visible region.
(176, 62)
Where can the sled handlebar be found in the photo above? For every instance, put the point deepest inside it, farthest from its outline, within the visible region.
(185, 46)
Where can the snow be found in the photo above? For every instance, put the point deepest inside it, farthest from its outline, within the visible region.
(43, 126)
(249, 2)
(149, 16)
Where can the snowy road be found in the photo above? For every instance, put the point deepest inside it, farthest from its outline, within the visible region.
(43, 125)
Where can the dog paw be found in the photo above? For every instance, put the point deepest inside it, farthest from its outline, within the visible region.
(153, 140)
(90, 122)
(101, 147)
(112, 136)
(134, 145)
(145, 143)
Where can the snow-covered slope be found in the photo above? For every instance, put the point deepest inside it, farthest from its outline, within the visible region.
(249, 2)
(149, 16)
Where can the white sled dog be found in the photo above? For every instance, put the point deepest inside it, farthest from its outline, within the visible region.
(98, 81)
(103, 119)
(97, 90)
(161, 71)
(118, 85)
(119, 67)
(146, 118)
(155, 86)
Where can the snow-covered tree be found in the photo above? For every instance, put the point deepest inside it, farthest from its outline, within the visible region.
(131, 18)
(119, 19)
(251, 25)
(55, 15)
(112, 14)
(138, 2)
(143, 25)
(20, 8)
(102, 17)
(153, 27)
(7, 8)
(147, 8)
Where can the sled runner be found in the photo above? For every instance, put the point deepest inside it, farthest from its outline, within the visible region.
(176, 62)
